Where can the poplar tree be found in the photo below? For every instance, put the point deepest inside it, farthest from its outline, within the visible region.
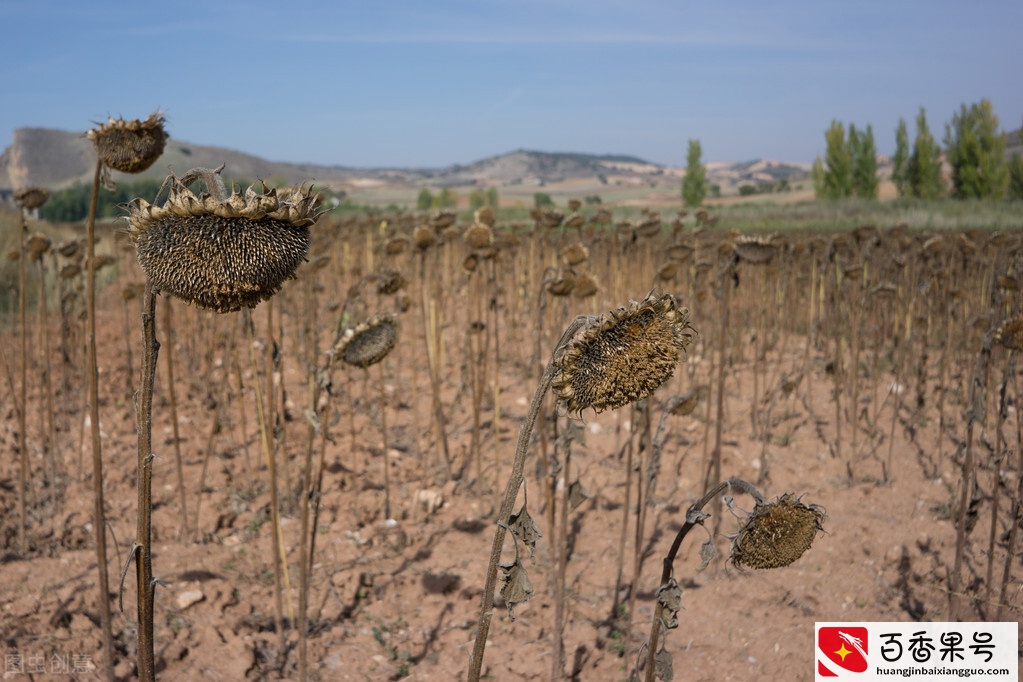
(924, 169)
(900, 161)
(837, 181)
(975, 149)
(694, 184)
(864, 162)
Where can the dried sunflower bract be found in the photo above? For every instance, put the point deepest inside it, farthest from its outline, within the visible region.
(622, 356)
(223, 254)
(776, 533)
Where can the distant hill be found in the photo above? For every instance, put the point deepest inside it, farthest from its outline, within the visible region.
(58, 158)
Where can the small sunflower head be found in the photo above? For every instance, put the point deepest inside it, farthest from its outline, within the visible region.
(31, 197)
(776, 533)
(129, 146)
(479, 236)
(576, 253)
(621, 356)
(223, 254)
(368, 343)
(1010, 334)
(38, 245)
(562, 283)
(586, 285)
(755, 249)
(485, 216)
(390, 282)
(424, 237)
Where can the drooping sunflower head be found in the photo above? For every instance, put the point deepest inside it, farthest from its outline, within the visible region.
(222, 253)
(368, 343)
(31, 197)
(129, 146)
(621, 356)
(1010, 334)
(776, 533)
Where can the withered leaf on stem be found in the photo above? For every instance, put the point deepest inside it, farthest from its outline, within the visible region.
(576, 495)
(663, 668)
(517, 586)
(523, 527)
(708, 552)
(669, 596)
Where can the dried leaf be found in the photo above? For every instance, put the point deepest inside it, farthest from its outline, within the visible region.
(517, 588)
(708, 552)
(576, 495)
(523, 527)
(669, 596)
(663, 668)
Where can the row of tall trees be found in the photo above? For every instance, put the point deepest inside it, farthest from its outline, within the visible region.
(974, 151)
(851, 164)
(448, 198)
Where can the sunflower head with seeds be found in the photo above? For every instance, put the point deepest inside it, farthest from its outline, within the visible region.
(776, 533)
(222, 251)
(621, 356)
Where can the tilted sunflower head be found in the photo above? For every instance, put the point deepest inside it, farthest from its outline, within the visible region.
(621, 356)
(129, 146)
(222, 252)
(777, 533)
(31, 197)
(1010, 334)
(368, 343)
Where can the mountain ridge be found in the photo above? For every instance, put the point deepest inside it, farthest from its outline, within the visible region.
(56, 159)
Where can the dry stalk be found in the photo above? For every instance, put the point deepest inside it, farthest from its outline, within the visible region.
(23, 463)
(172, 396)
(775, 534)
(99, 509)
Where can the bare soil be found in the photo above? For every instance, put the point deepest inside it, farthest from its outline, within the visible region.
(399, 599)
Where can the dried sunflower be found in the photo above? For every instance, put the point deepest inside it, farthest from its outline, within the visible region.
(776, 533)
(221, 253)
(621, 356)
(1010, 334)
(31, 197)
(129, 146)
(368, 343)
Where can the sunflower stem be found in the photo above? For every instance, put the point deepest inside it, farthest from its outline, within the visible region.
(694, 517)
(507, 506)
(144, 525)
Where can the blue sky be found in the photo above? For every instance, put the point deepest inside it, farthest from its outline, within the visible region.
(405, 83)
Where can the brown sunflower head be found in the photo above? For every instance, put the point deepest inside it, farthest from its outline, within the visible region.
(479, 236)
(586, 285)
(621, 356)
(561, 283)
(368, 343)
(389, 282)
(576, 253)
(129, 146)
(485, 216)
(38, 245)
(755, 249)
(776, 533)
(31, 197)
(1010, 334)
(423, 237)
(222, 254)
